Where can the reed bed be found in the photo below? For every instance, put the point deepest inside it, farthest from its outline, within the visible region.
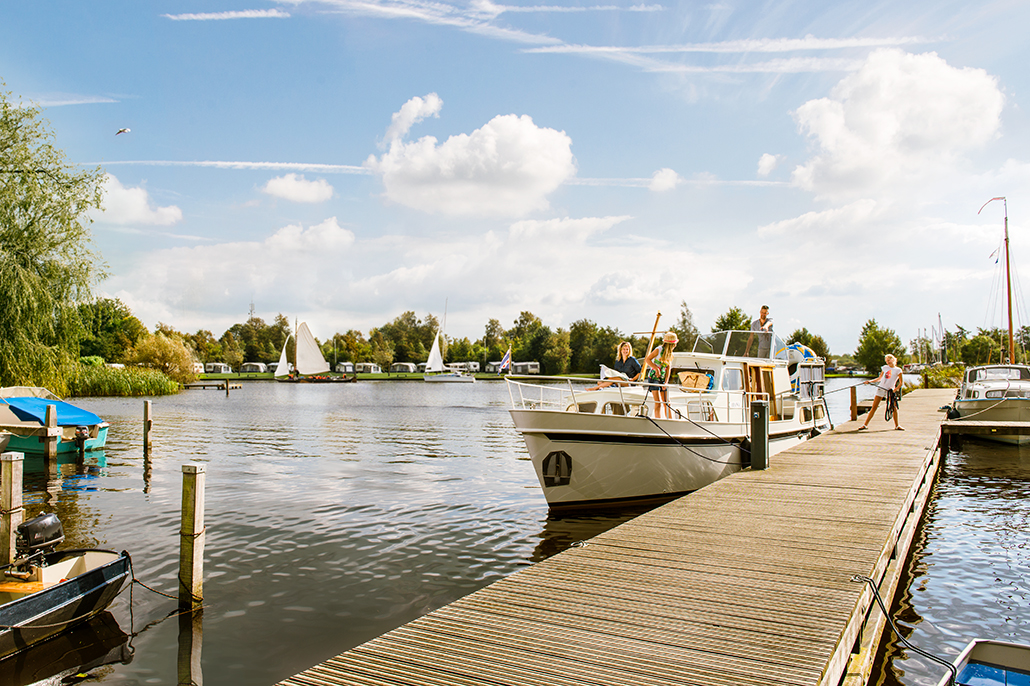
(88, 380)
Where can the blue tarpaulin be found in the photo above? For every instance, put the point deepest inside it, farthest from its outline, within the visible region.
(34, 409)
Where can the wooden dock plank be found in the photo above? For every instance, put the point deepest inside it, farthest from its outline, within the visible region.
(745, 582)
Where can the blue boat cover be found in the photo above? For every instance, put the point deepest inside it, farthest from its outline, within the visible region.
(34, 409)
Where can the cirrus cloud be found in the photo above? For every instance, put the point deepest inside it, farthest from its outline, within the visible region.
(298, 189)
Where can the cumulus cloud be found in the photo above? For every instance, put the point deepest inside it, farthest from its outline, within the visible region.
(411, 113)
(664, 180)
(506, 168)
(767, 163)
(298, 189)
(132, 206)
(901, 117)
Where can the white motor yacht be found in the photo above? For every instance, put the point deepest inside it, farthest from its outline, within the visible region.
(605, 447)
(996, 393)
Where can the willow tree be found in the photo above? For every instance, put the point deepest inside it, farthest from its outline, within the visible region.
(47, 262)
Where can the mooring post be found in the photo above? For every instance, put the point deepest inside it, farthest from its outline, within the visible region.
(11, 512)
(227, 388)
(191, 538)
(759, 434)
(854, 403)
(52, 432)
(148, 422)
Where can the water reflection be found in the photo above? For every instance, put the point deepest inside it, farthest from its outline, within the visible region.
(83, 650)
(191, 640)
(969, 572)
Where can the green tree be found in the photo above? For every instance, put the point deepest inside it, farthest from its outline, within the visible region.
(685, 328)
(493, 341)
(735, 319)
(168, 354)
(232, 351)
(816, 343)
(983, 348)
(555, 359)
(109, 329)
(875, 342)
(47, 262)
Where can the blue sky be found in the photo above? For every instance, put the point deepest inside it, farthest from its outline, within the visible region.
(342, 161)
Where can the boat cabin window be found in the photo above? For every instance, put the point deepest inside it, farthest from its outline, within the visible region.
(732, 380)
(1002, 373)
(587, 407)
(615, 408)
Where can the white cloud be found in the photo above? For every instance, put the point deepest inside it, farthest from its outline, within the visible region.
(506, 168)
(411, 113)
(127, 206)
(767, 163)
(221, 16)
(900, 118)
(298, 189)
(664, 180)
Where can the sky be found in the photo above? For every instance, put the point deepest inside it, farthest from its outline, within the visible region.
(344, 161)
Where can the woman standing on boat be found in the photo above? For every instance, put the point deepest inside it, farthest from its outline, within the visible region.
(659, 366)
(889, 381)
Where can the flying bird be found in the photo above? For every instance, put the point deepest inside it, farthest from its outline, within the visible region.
(123, 131)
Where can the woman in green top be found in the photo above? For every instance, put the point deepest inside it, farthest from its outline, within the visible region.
(659, 366)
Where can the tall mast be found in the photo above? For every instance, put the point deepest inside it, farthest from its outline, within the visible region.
(1008, 275)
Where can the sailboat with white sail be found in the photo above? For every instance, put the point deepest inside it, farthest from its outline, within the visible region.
(438, 372)
(311, 366)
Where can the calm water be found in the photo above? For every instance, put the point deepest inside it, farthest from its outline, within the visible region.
(335, 514)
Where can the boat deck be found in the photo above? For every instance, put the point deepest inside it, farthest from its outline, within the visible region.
(745, 582)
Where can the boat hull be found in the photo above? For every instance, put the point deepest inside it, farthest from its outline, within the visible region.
(29, 619)
(33, 445)
(584, 460)
(991, 662)
(449, 378)
(996, 410)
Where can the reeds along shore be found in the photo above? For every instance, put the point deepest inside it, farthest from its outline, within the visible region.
(130, 381)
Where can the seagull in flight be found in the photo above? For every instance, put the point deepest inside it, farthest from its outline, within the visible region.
(123, 131)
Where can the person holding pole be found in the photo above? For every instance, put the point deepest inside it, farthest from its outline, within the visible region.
(659, 367)
(887, 383)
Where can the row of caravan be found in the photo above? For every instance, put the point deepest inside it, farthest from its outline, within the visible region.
(370, 368)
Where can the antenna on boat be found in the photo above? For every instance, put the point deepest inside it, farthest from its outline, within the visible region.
(1008, 273)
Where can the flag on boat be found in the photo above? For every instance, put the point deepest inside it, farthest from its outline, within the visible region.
(506, 360)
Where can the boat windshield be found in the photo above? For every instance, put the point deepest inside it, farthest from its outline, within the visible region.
(1001, 373)
(742, 344)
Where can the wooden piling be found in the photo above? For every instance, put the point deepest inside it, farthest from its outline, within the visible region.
(11, 512)
(148, 422)
(854, 403)
(191, 640)
(227, 388)
(191, 538)
(52, 432)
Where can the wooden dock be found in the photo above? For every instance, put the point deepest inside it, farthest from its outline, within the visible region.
(745, 582)
(218, 385)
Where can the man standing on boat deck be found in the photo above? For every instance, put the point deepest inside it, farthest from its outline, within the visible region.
(763, 326)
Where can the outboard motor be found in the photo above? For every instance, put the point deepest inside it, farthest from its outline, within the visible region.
(40, 534)
(81, 436)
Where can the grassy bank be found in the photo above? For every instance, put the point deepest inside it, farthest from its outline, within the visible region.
(89, 380)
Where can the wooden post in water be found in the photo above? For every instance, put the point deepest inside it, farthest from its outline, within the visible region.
(227, 388)
(148, 422)
(854, 403)
(52, 432)
(11, 512)
(191, 640)
(191, 538)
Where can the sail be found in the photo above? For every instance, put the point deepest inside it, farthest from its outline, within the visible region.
(309, 357)
(435, 362)
(283, 369)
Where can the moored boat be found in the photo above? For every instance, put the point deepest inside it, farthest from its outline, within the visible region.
(437, 372)
(23, 414)
(991, 663)
(603, 447)
(995, 393)
(311, 365)
(45, 592)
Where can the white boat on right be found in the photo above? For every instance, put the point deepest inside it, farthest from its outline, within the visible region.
(996, 393)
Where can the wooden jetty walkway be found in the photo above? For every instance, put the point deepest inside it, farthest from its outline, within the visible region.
(745, 582)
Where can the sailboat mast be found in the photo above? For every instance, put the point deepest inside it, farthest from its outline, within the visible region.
(1008, 283)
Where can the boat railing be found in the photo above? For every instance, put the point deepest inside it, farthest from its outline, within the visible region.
(561, 394)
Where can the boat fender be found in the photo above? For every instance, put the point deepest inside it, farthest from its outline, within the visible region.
(952, 412)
